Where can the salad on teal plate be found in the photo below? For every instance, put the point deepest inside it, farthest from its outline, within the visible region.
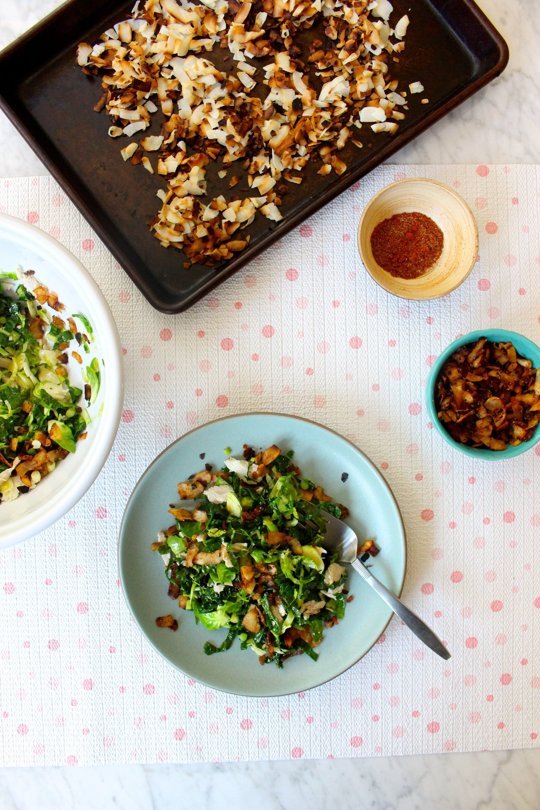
(221, 551)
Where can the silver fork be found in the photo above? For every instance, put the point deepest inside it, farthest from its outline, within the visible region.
(341, 539)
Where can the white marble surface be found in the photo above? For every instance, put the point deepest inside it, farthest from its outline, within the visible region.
(499, 125)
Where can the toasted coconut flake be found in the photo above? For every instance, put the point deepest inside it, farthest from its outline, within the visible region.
(416, 87)
(137, 126)
(401, 26)
(263, 183)
(152, 143)
(370, 115)
(168, 622)
(245, 67)
(396, 99)
(125, 32)
(274, 120)
(386, 126)
(147, 165)
(83, 52)
(381, 8)
(129, 150)
(271, 211)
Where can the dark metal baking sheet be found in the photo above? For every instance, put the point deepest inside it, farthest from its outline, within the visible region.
(450, 46)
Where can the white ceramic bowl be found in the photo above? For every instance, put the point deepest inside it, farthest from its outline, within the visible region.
(24, 246)
(453, 216)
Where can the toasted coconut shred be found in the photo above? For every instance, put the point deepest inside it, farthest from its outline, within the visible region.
(270, 109)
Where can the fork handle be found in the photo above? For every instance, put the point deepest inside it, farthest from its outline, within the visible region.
(419, 628)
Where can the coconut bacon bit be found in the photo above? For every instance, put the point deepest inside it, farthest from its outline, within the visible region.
(488, 396)
(273, 107)
(167, 621)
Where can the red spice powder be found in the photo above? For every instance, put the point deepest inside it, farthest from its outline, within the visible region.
(407, 244)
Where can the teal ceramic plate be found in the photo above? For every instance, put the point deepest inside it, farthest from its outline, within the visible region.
(323, 456)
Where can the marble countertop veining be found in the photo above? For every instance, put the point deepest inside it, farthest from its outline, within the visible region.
(499, 125)
(484, 781)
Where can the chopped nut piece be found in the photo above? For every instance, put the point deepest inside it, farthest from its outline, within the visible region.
(174, 590)
(280, 538)
(167, 621)
(190, 555)
(209, 557)
(190, 489)
(270, 454)
(368, 547)
(251, 621)
(181, 514)
(247, 576)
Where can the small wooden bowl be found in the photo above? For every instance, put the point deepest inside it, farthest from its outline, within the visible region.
(453, 216)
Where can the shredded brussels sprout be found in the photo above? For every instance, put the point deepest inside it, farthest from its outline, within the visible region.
(41, 418)
(249, 557)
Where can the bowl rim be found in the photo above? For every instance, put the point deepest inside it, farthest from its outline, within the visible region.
(411, 296)
(29, 525)
(532, 351)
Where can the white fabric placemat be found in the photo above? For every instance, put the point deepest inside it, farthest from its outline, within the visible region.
(302, 330)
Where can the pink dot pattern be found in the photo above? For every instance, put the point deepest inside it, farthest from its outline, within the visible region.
(302, 330)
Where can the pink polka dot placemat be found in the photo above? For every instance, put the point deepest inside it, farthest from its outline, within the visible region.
(302, 330)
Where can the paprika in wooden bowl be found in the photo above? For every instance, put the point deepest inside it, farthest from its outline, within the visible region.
(418, 239)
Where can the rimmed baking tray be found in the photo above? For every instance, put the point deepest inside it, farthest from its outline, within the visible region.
(451, 47)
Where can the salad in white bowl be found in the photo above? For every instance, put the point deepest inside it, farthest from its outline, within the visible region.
(60, 380)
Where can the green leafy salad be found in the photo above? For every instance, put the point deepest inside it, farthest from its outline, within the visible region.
(248, 556)
(41, 419)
